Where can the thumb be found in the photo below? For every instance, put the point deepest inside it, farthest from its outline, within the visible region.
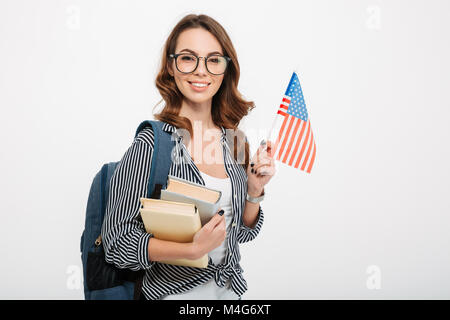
(215, 220)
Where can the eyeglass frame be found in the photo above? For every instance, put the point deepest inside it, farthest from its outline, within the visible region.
(176, 55)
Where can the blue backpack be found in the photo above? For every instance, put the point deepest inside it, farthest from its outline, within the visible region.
(104, 281)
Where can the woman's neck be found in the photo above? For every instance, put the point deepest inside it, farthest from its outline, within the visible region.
(198, 113)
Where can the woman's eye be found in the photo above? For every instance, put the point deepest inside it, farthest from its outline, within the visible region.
(187, 58)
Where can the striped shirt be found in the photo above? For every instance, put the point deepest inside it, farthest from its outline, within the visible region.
(124, 237)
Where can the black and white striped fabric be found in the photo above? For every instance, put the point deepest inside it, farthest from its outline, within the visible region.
(126, 241)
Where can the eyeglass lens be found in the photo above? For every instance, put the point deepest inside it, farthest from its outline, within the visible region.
(188, 62)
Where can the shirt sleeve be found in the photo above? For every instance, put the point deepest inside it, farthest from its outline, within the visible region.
(246, 233)
(125, 240)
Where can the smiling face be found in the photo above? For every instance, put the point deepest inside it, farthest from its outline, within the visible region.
(201, 43)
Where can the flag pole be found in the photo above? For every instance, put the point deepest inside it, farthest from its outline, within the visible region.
(263, 173)
(269, 134)
(274, 121)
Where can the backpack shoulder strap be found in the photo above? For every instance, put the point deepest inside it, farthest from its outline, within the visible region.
(161, 158)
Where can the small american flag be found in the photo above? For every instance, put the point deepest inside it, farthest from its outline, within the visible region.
(294, 144)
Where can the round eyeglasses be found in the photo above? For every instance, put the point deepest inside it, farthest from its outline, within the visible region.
(188, 63)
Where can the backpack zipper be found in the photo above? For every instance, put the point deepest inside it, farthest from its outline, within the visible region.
(98, 241)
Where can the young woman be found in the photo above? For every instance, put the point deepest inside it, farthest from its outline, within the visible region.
(198, 81)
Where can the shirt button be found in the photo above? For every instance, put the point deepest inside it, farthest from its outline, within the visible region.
(235, 196)
(233, 224)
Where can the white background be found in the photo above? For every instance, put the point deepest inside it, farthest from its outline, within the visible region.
(77, 77)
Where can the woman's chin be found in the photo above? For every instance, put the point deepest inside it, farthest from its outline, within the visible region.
(198, 99)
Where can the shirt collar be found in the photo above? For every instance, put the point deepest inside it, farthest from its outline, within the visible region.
(172, 129)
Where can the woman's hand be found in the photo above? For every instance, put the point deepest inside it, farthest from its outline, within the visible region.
(262, 170)
(210, 236)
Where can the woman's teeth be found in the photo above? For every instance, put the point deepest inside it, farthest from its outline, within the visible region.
(201, 85)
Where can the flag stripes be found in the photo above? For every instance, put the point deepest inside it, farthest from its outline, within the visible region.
(294, 145)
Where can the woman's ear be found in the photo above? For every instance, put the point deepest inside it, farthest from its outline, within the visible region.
(169, 69)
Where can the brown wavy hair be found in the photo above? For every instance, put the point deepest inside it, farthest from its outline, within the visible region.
(228, 106)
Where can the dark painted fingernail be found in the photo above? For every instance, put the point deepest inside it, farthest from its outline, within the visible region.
(252, 170)
(252, 164)
(256, 172)
(221, 212)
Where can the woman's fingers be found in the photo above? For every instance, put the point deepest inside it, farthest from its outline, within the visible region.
(263, 170)
(263, 150)
(215, 220)
(266, 171)
(265, 161)
(269, 148)
(262, 158)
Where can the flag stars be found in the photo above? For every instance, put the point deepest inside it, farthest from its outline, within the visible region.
(296, 107)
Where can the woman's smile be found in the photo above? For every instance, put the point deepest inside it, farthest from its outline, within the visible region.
(199, 86)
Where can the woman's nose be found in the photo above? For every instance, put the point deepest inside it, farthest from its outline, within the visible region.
(201, 68)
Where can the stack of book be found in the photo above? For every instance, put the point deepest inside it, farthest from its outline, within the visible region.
(183, 209)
